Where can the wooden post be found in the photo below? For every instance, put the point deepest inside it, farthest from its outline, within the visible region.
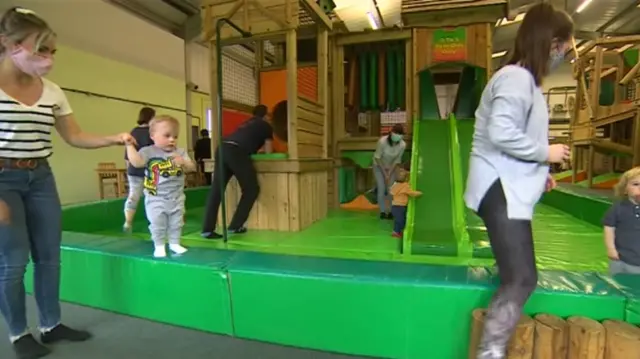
(477, 326)
(408, 83)
(623, 340)
(551, 338)
(590, 162)
(337, 128)
(259, 58)
(323, 81)
(292, 93)
(636, 140)
(213, 85)
(595, 99)
(521, 344)
(586, 338)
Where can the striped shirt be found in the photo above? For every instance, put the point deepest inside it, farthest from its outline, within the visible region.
(25, 131)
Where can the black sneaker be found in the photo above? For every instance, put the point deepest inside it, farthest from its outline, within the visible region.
(28, 348)
(211, 235)
(64, 333)
(238, 230)
(383, 216)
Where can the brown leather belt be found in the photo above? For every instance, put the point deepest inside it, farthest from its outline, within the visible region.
(21, 164)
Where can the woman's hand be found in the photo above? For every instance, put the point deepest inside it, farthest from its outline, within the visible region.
(124, 138)
(551, 183)
(558, 153)
(612, 253)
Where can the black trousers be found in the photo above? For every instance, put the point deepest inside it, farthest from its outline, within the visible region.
(207, 175)
(238, 163)
(512, 244)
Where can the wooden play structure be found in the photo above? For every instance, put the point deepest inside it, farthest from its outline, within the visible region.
(379, 84)
(605, 128)
(551, 337)
(294, 185)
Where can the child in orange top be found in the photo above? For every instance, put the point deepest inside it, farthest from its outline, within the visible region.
(401, 191)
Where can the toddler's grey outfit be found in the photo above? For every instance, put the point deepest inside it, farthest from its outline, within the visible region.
(164, 194)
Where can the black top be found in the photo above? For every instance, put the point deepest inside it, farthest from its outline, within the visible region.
(251, 135)
(142, 137)
(202, 149)
(624, 216)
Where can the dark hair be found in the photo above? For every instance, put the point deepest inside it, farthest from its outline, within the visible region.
(279, 120)
(146, 115)
(18, 23)
(541, 25)
(398, 129)
(204, 132)
(260, 111)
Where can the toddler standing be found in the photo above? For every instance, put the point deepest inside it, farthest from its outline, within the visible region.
(401, 191)
(164, 165)
(622, 226)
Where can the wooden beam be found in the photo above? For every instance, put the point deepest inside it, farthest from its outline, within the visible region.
(316, 13)
(608, 72)
(595, 81)
(372, 36)
(631, 74)
(618, 40)
(292, 93)
(284, 24)
(337, 108)
(213, 78)
(323, 83)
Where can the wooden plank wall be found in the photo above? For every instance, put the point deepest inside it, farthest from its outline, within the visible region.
(288, 202)
(310, 129)
(479, 47)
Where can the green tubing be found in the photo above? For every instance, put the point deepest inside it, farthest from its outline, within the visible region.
(364, 95)
(400, 64)
(373, 80)
(391, 80)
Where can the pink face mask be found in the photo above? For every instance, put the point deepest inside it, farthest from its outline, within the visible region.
(32, 64)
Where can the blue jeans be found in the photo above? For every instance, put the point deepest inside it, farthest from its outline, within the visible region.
(399, 218)
(382, 189)
(32, 226)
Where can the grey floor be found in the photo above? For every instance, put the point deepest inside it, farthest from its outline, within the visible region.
(121, 337)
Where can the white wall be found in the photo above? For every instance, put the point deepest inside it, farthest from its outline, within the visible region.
(101, 28)
(562, 77)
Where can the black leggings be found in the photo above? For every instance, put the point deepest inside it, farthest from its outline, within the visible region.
(236, 163)
(512, 244)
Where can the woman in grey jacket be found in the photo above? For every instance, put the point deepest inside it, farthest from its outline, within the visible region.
(509, 165)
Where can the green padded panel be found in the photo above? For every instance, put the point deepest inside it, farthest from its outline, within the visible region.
(580, 206)
(465, 136)
(121, 276)
(385, 309)
(108, 214)
(354, 307)
(629, 285)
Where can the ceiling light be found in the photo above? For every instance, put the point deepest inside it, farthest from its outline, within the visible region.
(372, 20)
(583, 6)
(495, 55)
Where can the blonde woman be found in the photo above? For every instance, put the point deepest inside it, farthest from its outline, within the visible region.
(622, 226)
(30, 108)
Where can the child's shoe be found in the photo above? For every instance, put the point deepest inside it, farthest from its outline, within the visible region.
(396, 235)
(159, 251)
(177, 249)
(127, 228)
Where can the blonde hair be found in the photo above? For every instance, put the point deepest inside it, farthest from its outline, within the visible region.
(17, 24)
(620, 188)
(164, 119)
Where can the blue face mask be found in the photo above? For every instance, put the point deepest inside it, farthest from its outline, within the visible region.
(556, 58)
(395, 137)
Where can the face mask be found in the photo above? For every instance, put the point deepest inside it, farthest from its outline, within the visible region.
(396, 137)
(31, 64)
(556, 58)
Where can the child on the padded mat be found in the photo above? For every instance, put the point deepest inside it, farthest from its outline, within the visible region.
(401, 191)
(165, 167)
(622, 226)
